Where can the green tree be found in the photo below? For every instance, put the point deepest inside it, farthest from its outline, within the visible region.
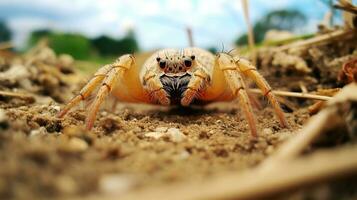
(279, 19)
(104, 45)
(108, 46)
(37, 35)
(81, 47)
(5, 33)
(129, 43)
(76, 45)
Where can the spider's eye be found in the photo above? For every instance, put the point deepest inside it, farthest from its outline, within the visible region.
(188, 63)
(162, 64)
(158, 59)
(193, 57)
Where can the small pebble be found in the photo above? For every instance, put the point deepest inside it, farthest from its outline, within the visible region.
(2, 115)
(267, 131)
(77, 145)
(161, 129)
(155, 135)
(175, 135)
(104, 113)
(115, 184)
(269, 150)
(56, 108)
(40, 131)
(66, 185)
(183, 155)
(73, 131)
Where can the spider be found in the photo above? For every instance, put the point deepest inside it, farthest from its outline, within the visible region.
(177, 77)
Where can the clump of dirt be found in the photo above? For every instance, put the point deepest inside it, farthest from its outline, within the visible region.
(316, 65)
(41, 72)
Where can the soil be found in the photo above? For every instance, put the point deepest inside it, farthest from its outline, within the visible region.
(131, 147)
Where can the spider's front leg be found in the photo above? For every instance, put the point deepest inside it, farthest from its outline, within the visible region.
(235, 81)
(107, 76)
(248, 69)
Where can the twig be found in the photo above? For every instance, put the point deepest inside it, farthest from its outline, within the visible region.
(323, 120)
(295, 94)
(23, 96)
(190, 36)
(346, 6)
(316, 107)
(318, 39)
(308, 133)
(258, 183)
(251, 42)
(303, 87)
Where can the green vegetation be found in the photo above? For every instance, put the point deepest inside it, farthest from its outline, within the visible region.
(5, 33)
(74, 44)
(83, 48)
(109, 46)
(288, 20)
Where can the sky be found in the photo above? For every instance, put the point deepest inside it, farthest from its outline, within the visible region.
(157, 23)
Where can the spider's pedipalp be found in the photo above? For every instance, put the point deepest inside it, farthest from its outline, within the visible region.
(198, 80)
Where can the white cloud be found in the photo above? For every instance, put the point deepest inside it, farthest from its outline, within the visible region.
(22, 27)
(157, 22)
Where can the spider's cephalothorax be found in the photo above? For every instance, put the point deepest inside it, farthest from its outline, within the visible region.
(177, 77)
(176, 68)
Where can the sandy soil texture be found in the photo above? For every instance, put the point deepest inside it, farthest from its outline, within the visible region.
(132, 146)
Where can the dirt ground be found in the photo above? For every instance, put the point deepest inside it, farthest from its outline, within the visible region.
(133, 146)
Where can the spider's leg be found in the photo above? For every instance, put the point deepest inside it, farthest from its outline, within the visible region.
(86, 90)
(248, 69)
(107, 75)
(198, 80)
(238, 88)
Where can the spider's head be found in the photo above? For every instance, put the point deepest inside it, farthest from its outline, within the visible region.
(175, 78)
(175, 64)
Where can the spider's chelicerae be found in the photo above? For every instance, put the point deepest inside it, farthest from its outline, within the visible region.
(172, 77)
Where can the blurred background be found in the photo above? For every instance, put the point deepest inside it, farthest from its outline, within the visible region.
(97, 31)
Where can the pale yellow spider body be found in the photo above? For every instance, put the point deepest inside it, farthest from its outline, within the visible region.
(173, 77)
